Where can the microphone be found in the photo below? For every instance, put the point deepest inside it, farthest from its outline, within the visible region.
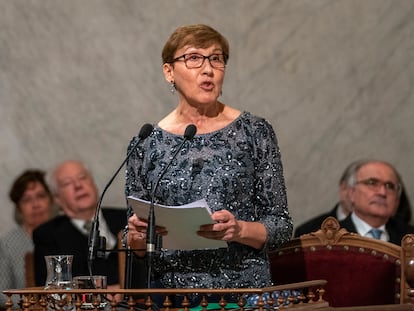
(189, 133)
(95, 241)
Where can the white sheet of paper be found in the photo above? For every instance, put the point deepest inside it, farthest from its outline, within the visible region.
(182, 223)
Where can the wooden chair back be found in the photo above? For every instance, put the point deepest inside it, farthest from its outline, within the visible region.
(359, 270)
(407, 254)
(121, 260)
(29, 269)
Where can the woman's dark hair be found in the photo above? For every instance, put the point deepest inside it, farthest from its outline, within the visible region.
(21, 183)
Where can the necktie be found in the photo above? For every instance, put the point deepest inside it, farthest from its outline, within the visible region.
(376, 233)
(87, 226)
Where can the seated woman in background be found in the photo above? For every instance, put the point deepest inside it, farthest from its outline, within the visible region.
(33, 206)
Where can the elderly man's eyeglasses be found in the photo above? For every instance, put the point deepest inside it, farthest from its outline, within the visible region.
(376, 184)
(195, 60)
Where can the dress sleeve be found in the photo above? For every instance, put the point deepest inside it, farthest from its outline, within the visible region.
(271, 197)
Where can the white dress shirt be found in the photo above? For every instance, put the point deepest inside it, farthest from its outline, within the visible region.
(364, 229)
(103, 230)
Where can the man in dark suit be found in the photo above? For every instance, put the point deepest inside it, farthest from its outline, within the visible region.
(374, 191)
(76, 194)
(344, 207)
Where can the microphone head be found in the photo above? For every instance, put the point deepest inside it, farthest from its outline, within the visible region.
(190, 131)
(145, 131)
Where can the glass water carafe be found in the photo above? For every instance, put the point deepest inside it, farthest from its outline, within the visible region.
(59, 271)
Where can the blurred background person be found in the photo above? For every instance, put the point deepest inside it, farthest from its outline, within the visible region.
(374, 191)
(76, 194)
(344, 207)
(33, 206)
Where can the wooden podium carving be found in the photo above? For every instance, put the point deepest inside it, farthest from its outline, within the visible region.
(32, 299)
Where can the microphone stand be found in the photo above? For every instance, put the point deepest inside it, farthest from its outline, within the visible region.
(96, 243)
(189, 133)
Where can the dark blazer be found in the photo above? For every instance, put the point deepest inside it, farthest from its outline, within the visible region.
(60, 237)
(396, 228)
(315, 223)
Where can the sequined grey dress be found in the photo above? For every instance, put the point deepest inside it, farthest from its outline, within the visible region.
(237, 168)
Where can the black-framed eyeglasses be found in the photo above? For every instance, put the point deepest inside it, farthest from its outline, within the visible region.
(376, 184)
(195, 60)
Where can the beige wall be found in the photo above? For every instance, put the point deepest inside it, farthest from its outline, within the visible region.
(334, 77)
